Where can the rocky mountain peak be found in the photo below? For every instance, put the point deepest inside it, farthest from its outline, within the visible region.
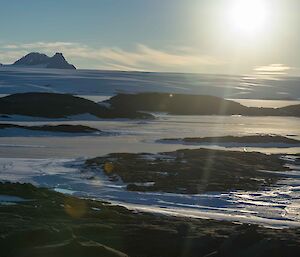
(39, 60)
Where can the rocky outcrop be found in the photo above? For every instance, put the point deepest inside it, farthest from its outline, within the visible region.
(181, 104)
(241, 140)
(192, 171)
(52, 105)
(65, 128)
(57, 61)
(46, 225)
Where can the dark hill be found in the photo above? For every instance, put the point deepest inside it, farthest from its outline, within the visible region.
(292, 109)
(65, 128)
(243, 140)
(52, 105)
(181, 104)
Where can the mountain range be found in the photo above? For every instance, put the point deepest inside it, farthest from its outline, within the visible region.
(39, 60)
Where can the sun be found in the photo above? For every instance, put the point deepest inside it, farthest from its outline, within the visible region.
(248, 16)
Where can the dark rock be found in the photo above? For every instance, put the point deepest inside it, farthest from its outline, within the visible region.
(52, 105)
(192, 171)
(32, 59)
(58, 61)
(181, 104)
(66, 128)
(41, 60)
(244, 140)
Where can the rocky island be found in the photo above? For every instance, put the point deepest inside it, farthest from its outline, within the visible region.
(64, 128)
(182, 104)
(53, 105)
(192, 171)
(232, 141)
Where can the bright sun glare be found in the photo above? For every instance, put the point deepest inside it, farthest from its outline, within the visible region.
(249, 16)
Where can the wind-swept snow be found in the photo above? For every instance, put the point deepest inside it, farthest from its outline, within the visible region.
(96, 82)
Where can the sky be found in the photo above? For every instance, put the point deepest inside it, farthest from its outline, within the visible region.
(196, 36)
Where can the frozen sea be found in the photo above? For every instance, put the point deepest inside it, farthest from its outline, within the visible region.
(141, 135)
(56, 160)
(97, 83)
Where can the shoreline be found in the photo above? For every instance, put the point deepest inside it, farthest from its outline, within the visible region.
(116, 231)
(66, 176)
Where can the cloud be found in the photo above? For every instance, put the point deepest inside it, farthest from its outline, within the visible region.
(39, 45)
(142, 57)
(272, 69)
(11, 46)
(11, 56)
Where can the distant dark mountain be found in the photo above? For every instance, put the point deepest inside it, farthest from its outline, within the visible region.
(57, 61)
(51, 105)
(33, 59)
(181, 104)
